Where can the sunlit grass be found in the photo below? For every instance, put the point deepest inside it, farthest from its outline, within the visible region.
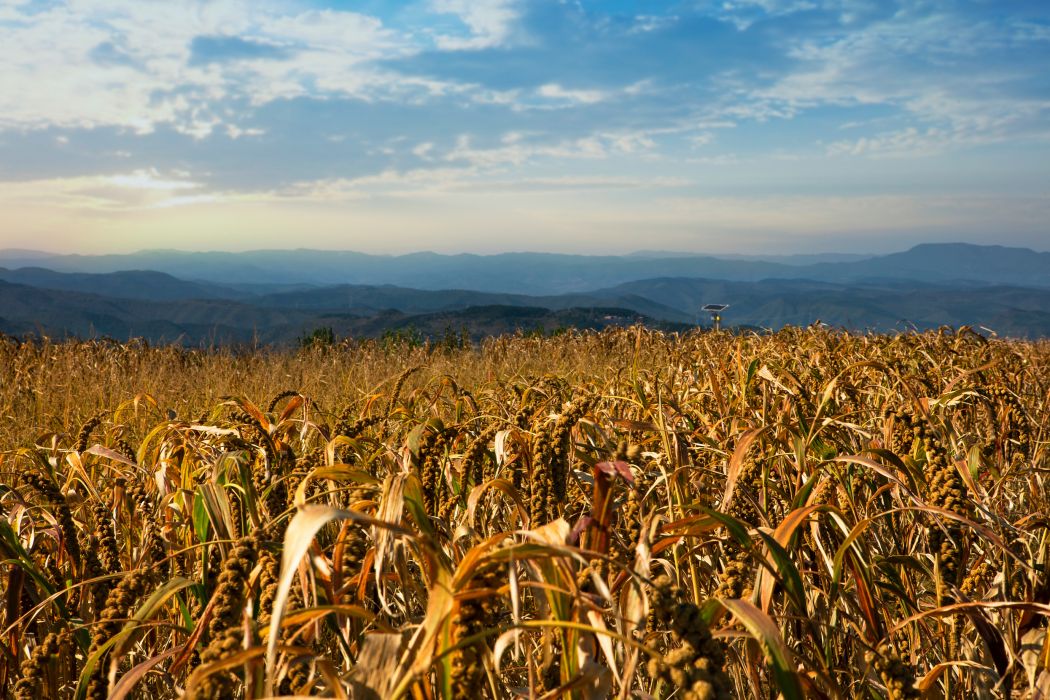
(617, 514)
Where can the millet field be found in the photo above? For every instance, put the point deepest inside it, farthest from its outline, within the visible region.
(615, 514)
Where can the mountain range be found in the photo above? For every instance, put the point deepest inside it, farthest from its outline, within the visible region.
(278, 296)
(548, 273)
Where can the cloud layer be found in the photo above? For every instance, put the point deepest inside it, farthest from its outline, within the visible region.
(614, 111)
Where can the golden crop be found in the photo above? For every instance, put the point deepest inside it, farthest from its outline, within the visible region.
(622, 514)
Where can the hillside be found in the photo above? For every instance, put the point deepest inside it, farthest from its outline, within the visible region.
(161, 306)
(27, 310)
(482, 321)
(367, 300)
(898, 306)
(56, 313)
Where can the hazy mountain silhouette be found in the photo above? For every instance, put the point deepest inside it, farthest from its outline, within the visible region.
(925, 287)
(130, 284)
(933, 262)
(547, 273)
(518, 273)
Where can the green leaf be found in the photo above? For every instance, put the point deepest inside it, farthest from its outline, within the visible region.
(736, 528)
(200, 517)
(789, 575)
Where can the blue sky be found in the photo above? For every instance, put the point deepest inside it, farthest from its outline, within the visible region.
(491, 125)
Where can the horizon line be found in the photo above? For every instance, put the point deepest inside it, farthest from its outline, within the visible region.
(654, 254)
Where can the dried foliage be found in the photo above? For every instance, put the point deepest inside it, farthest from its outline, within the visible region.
(619, 514)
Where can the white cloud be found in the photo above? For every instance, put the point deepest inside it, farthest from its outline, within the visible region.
(554, 91)
(633, 142)
(502, 167)
(463, 181)
(701, 139)
(901, 143)
(423, 150)
(571, 183)
(744, 13)
(650, 23)
(518, 149)
(931, 68)
(235, 132)
(489, 21)
(518, 152)
(773, 7)
(51, 76)
(149, 180)
(9, 8)
(415, 183)
(496, 97)
(961, 123)
(556, 96)
(132, 191)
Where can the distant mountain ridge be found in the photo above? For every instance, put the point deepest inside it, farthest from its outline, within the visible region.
(128, 284)
(25, 253)
(550, 273)
(933, 262)
(793, 260)
(925, 287)
(516, 273)
(669, 303)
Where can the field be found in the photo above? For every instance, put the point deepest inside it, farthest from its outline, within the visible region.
(625, 513)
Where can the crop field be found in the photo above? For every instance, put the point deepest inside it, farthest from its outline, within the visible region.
(615, 514)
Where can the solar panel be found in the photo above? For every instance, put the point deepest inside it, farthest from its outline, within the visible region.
(715, 308)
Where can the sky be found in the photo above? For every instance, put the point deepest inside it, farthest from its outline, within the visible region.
(594, 126)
